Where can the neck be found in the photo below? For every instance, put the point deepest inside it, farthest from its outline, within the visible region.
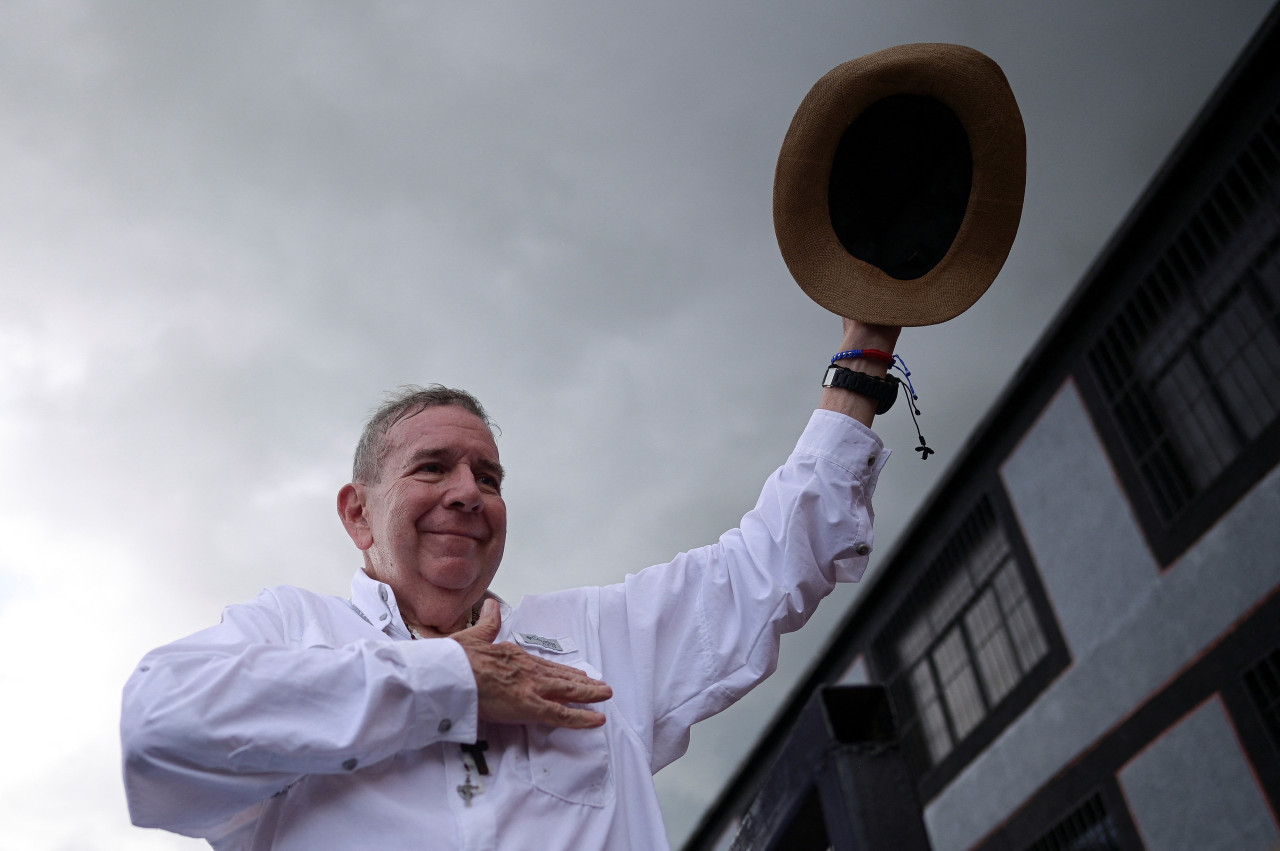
(433, 613)
(424, 630)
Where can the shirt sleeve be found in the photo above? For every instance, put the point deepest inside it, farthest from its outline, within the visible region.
(216, 723)
(684, 640)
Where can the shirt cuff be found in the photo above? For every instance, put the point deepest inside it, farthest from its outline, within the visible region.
(847, 443)
(446, 686)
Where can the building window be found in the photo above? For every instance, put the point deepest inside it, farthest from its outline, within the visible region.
(968, 633)
(1086, 828)
(1262, 682)
(1189, 368)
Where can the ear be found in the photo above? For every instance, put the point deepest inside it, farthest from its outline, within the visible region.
(351, 508)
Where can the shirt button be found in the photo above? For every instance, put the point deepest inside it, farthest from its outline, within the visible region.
(871, 461)
(862, 549)
(382, 592)
(350, 765)
(445, 726)
(382, 617)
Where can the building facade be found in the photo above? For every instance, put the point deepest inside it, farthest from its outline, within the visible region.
(1080, 635)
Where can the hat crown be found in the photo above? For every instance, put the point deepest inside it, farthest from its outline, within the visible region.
(900, 183)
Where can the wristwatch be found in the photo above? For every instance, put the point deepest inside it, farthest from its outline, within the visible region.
(883, 390)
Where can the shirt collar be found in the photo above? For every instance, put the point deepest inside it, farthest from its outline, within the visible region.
(376, 603)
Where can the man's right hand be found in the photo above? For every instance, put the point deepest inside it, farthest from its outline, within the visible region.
(516, 687)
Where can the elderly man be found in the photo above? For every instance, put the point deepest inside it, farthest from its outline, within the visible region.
(424, 712)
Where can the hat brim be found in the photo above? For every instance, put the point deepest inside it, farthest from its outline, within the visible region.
(974, 88)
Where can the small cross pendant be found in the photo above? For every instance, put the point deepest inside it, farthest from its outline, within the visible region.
(468, 791)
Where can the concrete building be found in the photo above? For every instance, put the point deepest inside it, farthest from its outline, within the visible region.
(1080, 631)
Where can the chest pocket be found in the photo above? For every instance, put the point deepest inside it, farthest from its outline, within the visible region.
(572, 765)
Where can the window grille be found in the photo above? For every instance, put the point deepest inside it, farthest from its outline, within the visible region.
(1263, 684)
(1190, 366)
(1086, 828)
(963, 638)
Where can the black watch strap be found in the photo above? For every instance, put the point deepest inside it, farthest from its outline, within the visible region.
(883, 390)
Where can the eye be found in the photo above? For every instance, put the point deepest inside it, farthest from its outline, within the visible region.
(493, 483)
(433, 468)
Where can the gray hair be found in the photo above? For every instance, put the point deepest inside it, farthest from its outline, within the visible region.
(405, 402)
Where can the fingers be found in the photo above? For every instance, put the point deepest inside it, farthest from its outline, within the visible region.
(485, 630)
(559, 715)
(552, 707)
(581, 688)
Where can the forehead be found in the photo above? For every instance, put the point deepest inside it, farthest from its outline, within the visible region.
(440, 427)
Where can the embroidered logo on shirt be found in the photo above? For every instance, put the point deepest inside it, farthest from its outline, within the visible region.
(551, 644)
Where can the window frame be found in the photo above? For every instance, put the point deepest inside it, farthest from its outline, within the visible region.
(1254, 723)
(1215, 249)
(934, 777)
(1107, 799)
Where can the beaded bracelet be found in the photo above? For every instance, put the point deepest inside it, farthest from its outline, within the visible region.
(869, 354)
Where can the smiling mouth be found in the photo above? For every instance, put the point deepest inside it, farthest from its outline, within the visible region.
(452, 534)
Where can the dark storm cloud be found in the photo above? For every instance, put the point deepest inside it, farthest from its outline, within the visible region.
(229, 227)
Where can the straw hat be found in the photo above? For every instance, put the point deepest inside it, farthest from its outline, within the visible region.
(899, 184)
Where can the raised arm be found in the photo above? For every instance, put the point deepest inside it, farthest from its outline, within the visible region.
(684, 640)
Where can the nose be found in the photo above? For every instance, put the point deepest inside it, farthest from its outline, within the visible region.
(464, 492)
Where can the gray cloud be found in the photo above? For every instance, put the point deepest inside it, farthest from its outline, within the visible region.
(227, 228)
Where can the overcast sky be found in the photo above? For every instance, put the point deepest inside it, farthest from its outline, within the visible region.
(226, 228)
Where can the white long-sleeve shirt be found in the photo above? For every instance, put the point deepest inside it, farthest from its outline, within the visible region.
(311, 722)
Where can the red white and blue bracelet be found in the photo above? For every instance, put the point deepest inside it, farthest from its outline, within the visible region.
(870, 354)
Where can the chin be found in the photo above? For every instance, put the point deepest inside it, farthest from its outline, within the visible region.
(455, 579)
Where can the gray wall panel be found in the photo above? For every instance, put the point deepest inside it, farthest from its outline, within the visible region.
(1082, 535)
(1193, 789)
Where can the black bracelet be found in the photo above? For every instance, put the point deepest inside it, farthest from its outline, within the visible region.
(883, 390)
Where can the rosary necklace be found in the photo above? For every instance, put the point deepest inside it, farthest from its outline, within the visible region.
(472, 755)
(473, 760)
